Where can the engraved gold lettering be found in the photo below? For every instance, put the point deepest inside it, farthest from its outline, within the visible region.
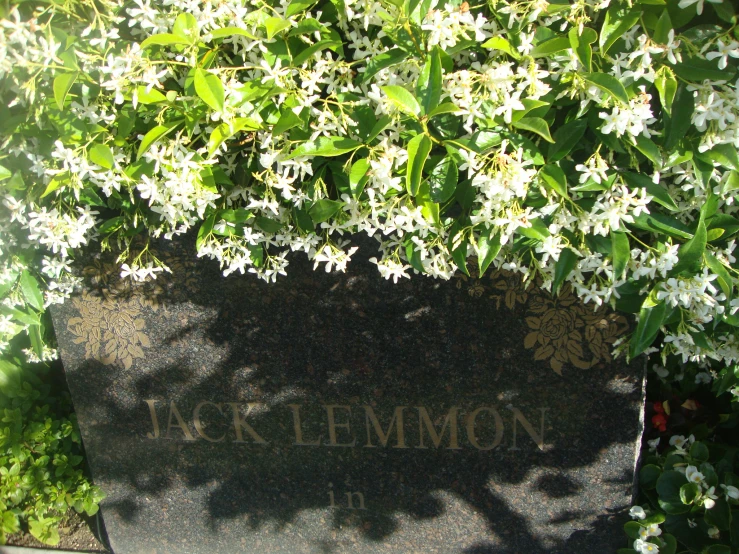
(472, 437)
(154, 419)
(332, 425)
(331, 496)
(199, 427)
(369, 416)
(449, 420)
(538, 437)
(240, 423)
(173, 411)
(298, 428)
(349, 497)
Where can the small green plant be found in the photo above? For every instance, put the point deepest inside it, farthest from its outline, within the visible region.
(41, 461)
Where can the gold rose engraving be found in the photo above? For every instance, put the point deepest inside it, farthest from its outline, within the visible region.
(562, 329)
(111, 330)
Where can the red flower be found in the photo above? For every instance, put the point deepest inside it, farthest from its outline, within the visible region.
(659, 421)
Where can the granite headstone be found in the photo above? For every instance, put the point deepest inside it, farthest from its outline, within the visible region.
(332, 413)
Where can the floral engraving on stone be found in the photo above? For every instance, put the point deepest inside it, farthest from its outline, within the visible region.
(111, 330)
(562, 330)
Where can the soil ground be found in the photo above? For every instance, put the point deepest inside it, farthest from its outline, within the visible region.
(75, 532)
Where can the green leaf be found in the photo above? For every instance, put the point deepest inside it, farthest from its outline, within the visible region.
(380, 126)
(403, 99)
(666, 87)
(111, 225)
(650, 150)
(428, 87)
(230, 31)
(186, 26)
(580, 43)
(677, 125)
(58, 181)
(538, 230)
(632, 529)
(566, 138)
(307, 53)
(720, 515)
(551, 46)
(620, 253)
(657, 191)
(648, 476)
(152, 96)
(564, 266)
(31, 290)
(535, 125)
(101, 154)
(429, 208)
(662, 224)
(689, 492)
(210, 89)
(690, 254)
(608, 84)
(500, 43)
(274, 25)
(268, 225)
(62, 83)
(554, 179)
(699, 451)
(164, 39)
(358, 177)
(724, 278)
(650, 320)
(287, 121)
(699, 69)
(4, 173)
(37, 342)
(225, 131)
(446, 107)
(324, 210)
(326, 147)
(443, 180)
(381, 61)
(418, 150)
(487, 246)
(725, 155)
(154, 135)
(620, 17)
(206, 227)
(298, 6)
(669, 485)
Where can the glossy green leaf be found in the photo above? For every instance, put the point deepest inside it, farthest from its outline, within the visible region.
(102, 155)
(500, 43)
(554, 179)
(443, 180)
(324, 209)
(562, 269)
(650, 150)
(268, 225)
(210, 89)
(650, 321)
(273, 25)
(224, 32)
(446, 107)
(164, 39)
(566, 138)
(307, 53)
(4, 173)
(690, 254)
(488, 246)
(428, 87)
(402, 99)
(608, 84)
(224, 131)
(535, 125)
(381, 61)
(380, 126)
(580, 44)
(154, 135)
(358, 177)
(620, 18)
(678, 123)
(725, 155)
(698, 69)
(31, 290)
(663, 28)
(666, 87)
(660, 194)
(326, 147)
(298, 6)
(62, 83)
(620, 253)
(186, 27)
(549, 47)
(724, 277)
(418, 150)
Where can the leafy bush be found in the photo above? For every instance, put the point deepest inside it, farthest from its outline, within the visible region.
(592, 142)
(41, 461)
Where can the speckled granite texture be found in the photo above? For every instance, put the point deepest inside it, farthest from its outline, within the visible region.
(229, 415)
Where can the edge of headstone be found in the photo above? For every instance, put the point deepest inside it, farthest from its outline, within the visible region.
(640, 438)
